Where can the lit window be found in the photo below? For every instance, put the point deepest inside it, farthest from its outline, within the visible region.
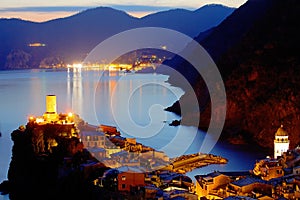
(123, 178)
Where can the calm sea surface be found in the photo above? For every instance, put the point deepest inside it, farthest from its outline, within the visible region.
(132, 102)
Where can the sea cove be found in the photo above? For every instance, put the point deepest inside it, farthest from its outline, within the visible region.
(100, 98)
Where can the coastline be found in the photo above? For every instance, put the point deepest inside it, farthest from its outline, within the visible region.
(181, 164)
(47, 154)
(217, 153)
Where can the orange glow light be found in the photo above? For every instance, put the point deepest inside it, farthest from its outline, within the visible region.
(39, 120)
(37, 44)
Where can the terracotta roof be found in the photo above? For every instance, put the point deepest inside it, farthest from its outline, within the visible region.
(92, 133)
(248, 181)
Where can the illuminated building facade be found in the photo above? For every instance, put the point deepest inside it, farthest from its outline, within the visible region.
(281, 142)
(50, 115)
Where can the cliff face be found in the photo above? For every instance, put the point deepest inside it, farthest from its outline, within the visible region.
(45, 165)
(263, 86)
(262, 78)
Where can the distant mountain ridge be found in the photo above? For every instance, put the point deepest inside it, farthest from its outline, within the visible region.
(71, 38)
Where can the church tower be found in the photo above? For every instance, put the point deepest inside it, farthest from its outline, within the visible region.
(281, 142)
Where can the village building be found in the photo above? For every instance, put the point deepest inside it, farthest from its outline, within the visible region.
(292, 158)
(110, 150)
(98, 152)
(93, 139)
(248, 185)
(108, 130)
(290, 188)
(210, 184)
(130, 179)
(268, 169)
(179, 195)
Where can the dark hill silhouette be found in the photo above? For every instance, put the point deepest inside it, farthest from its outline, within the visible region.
(71, 38)
(202, 19)
(259, 62)
(219, 39)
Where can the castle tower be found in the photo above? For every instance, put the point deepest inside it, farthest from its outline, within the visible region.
(50, 115)
(51, 104)
(281, 142)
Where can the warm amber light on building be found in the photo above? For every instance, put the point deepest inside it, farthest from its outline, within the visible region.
(31, 118)
(39, 120)
(50, 104)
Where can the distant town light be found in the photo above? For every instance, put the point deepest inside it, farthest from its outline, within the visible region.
(37, 44)
(112, 67)
(164, 47)
(77, 65)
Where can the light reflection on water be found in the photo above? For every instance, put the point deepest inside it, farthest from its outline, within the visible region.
(132, 102)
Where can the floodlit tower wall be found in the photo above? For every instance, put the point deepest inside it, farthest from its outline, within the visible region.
(50, 115)
(51, 104)
(281, 142)
(281, 145)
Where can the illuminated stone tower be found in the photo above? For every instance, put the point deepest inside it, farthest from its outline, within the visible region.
(50, 115)
(281, 142)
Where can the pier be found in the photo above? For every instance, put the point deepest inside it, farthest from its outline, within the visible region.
(186, 163)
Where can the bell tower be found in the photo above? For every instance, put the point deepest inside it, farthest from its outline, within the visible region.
(281, 142)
